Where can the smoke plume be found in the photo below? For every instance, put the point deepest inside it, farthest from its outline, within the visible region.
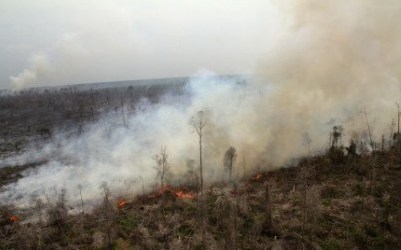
(333, 63)
(336, 61)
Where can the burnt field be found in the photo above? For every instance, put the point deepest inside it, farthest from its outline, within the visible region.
(72, 177)
(39, 113)
(32, 118)
(326, 202)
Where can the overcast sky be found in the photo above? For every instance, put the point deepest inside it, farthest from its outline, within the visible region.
(53, 42)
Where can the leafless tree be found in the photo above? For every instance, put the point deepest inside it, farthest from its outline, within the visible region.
(229, 160)
(198, 122)
(58, 212)
(307, 141)
(162, 165)
(369, 130)
(82, 202)
(336, 136)
(398, 119)
(107, 211)
(122, 104)
(39, 208)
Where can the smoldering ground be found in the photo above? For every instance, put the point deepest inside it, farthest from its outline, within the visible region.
(333, 63)
(123, 156)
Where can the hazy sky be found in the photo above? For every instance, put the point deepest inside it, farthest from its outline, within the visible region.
(71, 41)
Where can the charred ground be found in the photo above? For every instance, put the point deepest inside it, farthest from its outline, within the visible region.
(319, 204)
(331, 201)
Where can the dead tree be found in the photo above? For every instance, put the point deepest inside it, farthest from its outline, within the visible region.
(398, 123)
(58, 212)
(392, 134)
(162, 165)
(307, 141)
(122, 104)
(369, 131)
(335, 136)
(198, 122)
(107, 212)
(352, 149)
(39, 208)
(82, 202)
(229, 160)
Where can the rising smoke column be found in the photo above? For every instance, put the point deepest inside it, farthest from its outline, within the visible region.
(334, 60)
(331, 62)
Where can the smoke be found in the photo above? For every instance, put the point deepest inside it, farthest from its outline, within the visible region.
(39, 68)
(331, 64)
(117, 40)
(68, 61)
(123, 156)
(335, 61)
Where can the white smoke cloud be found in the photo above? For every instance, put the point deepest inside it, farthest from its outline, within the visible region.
(121, 40)
(121, 156)
(39, 68)
(333, 61)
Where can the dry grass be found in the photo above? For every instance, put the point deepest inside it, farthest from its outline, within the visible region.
(316, 205)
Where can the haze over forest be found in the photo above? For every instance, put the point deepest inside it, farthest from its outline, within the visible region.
(49, 42)
(314, 65)
(261, 124)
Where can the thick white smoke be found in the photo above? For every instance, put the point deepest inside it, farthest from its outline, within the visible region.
(334, 60)
(123, 156)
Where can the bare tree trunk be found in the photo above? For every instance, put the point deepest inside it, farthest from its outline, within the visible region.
(398, 125)
(82, 202)
(370, 134)
(122, 111)
(200, 161)
(198, 123)
(398, 130)
(162, 168)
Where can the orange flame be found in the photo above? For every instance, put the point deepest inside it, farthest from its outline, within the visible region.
(122, 203)
(183, 195)
(179, 194)
(14, 218)
(257, 177)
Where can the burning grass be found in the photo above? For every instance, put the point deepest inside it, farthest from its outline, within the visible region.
(317, 204)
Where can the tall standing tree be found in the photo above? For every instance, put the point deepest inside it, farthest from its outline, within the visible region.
(229, 160)
(198, 122)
